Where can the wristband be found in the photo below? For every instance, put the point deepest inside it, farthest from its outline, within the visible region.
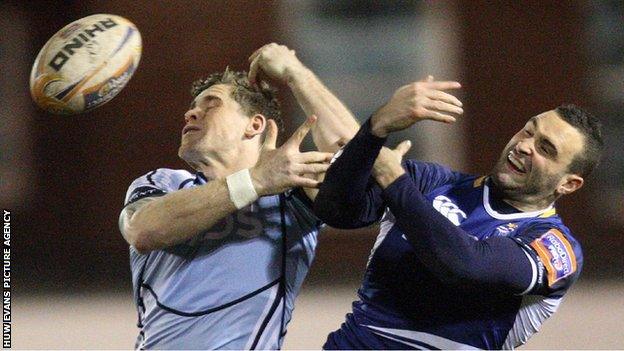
(242, 191)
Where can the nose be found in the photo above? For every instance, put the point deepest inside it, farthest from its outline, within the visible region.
(524, 146)
(191, 115)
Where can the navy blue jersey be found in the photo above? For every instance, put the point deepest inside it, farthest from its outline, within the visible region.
(408, 300)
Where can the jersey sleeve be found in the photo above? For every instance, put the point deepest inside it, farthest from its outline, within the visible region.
(556, 258)
(428, 176)
(154, 183)
(301, 206)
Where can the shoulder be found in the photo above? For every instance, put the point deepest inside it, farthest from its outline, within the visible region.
(157, 182)
(555, 250)
(429, 175)
(164, 177)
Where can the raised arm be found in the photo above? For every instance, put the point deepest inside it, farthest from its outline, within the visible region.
(336, 125)
(447, 250)
(173, 218)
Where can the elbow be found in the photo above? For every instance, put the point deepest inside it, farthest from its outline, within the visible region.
(142, 243)
(335, 216)
(142, 240)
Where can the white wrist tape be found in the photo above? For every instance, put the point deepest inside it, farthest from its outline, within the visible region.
(242, 192)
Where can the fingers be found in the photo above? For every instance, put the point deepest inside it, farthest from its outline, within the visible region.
(312, 168)
(271, 137)
(442, 85)
(442, 106)
(298, 136)
(403, 147)
(442, 96)
(253, 71)
(313, 156)
(439, 116)
(257, 52)
(306, 182)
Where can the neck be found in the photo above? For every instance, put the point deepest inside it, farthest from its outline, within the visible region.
(526, 206)
(523, 202)
(220, 166)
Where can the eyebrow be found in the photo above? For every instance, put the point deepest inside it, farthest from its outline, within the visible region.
(205, 97)
(544, 139)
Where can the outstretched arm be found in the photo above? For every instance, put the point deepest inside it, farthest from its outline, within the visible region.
(447, 250)
(336, 124)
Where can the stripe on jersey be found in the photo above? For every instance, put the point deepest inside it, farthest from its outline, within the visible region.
(387, 222)
(212, 309)
(186, 182)
(149, 177)
(533, 311)
(268, 309)
(272, 338)
(420, 337)
(533, 272)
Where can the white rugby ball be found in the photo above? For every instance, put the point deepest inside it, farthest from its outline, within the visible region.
(85, 64)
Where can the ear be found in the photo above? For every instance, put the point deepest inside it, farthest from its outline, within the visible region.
(256, 126)
(569, 184)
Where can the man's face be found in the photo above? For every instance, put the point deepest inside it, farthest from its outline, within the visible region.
(535, 161)
(215, 125)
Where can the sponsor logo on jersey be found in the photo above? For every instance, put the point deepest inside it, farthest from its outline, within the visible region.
(557, 255)
(245, 223)
(143, 192)
(448, 209)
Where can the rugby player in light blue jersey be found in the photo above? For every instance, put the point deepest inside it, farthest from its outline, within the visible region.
(461, 261)
(218, 256)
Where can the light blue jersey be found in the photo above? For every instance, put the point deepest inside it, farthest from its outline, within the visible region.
(230, 287)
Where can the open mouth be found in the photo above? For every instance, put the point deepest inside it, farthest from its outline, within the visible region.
(515, 165)
(189, 129)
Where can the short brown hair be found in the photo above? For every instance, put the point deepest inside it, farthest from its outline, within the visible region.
(261, 98)
(591, 129)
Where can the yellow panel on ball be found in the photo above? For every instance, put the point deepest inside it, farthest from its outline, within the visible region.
(85, 64)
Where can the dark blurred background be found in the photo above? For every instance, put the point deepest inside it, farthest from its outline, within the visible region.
(65, 177)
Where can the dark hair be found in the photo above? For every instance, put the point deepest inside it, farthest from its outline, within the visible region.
(260, 99)
(591, 129)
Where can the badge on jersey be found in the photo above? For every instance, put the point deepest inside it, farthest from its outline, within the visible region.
(557, 255)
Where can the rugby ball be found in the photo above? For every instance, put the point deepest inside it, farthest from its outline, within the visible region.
(85, 64)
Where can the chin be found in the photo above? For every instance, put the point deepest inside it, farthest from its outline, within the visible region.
(504, 181)
(187, 153)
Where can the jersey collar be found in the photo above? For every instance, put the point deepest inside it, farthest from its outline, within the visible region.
(510, 216)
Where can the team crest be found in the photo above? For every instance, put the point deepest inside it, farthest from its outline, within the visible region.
(557, 255)
(506, 229)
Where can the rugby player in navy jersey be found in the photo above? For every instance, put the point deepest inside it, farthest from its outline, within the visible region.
(218, 256)
(461, 261)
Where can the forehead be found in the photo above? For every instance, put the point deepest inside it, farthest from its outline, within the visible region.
(221, 91)
(566, 138)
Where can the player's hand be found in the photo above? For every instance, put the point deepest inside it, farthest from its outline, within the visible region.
(415, 102)
(387, 167)
(277, 62)
(285, 167)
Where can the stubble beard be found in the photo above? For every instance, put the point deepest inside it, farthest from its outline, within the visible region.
(534, 187)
